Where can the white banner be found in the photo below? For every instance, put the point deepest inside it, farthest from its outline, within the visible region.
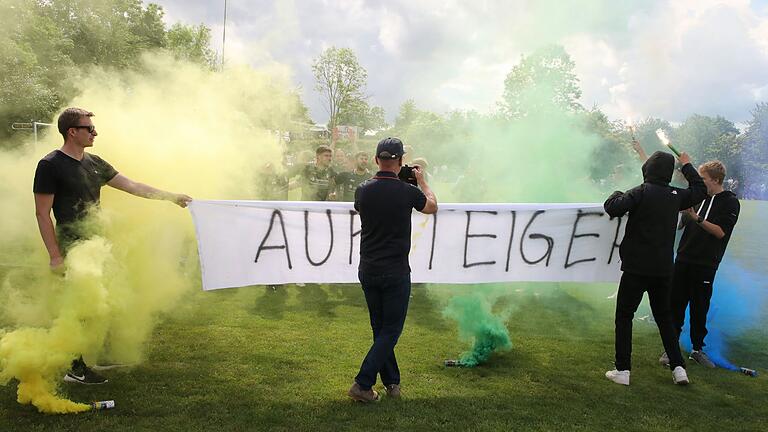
(275, 242)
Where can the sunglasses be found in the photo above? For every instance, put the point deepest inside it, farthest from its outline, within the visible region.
(91, 128)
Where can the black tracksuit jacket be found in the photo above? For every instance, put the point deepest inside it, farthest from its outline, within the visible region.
(649, 239)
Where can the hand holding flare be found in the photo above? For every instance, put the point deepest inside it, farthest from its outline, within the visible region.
(665, 140)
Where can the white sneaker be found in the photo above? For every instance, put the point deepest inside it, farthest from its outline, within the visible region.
(619, 377)
(664, 359)
(679, 376)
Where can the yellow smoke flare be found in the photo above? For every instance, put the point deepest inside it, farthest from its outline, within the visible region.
(38, 357)
(173, 125)
(37, 391)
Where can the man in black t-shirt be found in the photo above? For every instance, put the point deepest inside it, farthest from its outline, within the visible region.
(68, 181)
(708, 228)
(348, 181)
(385, 204)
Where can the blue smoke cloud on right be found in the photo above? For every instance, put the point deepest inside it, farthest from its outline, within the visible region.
(739, 306)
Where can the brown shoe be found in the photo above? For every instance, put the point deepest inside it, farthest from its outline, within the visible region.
(360, 395)
(393, 390)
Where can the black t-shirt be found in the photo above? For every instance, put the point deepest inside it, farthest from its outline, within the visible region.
(700, 247)
(385, 204)
(348, 182)
(76, 185)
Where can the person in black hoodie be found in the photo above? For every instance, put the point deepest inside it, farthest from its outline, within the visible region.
(707, 231)
(647, 255)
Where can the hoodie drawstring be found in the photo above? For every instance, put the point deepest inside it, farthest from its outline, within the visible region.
(706, 215)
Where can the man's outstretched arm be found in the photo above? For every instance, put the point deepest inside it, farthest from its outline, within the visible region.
(146, 191)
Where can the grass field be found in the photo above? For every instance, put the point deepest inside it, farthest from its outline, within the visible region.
(257, 359)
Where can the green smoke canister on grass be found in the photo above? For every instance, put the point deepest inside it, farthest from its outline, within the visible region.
(478, 324)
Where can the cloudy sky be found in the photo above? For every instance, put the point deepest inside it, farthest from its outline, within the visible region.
(662, 58)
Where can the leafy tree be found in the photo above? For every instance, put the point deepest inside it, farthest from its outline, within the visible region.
(429, 134)
(613, 151)
(44, 46)
(754, 142)
(406, 115)
(340, 80)
(192, 43)
(359, 113)
(107, 33)
(27, 80)
(706, 137)
(542, 81)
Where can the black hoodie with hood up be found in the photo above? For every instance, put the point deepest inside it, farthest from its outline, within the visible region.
(649, 239)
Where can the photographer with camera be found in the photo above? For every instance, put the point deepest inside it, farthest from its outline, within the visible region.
(385, 204)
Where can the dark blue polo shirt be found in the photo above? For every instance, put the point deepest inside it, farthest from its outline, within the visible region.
(385, 204)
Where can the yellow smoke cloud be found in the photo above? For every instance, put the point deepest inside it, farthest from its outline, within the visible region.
(172, 125)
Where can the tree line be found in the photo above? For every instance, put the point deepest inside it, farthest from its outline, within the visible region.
(46, 46)
(541, 84)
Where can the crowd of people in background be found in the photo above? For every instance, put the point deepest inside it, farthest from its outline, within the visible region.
(332, 175)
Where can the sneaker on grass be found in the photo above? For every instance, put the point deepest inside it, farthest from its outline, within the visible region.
(701, 358)
(679, 376)
(360, 395)
(619, 377)
(393, 390)
(664, 359)
(84, 376)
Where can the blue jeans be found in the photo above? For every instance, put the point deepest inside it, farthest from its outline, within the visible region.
(387, 297)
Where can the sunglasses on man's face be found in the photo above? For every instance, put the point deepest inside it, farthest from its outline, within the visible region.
(91, 128)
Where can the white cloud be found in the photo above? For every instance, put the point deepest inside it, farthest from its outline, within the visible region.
(666, 58)
(391, 32)
(691, 57)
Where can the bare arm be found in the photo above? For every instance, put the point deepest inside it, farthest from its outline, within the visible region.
(431, 206)
(639, 150)
(125, 184)
(43, 205)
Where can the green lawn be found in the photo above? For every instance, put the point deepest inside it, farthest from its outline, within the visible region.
(257, 359)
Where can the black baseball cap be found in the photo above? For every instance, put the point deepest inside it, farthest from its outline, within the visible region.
(390, 148)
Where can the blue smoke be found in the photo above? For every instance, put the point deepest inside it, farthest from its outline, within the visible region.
(738, 302)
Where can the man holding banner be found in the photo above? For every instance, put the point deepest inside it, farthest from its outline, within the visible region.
(385, 204)
(68, 182)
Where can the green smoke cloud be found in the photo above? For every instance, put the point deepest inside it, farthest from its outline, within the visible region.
(478, 325)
